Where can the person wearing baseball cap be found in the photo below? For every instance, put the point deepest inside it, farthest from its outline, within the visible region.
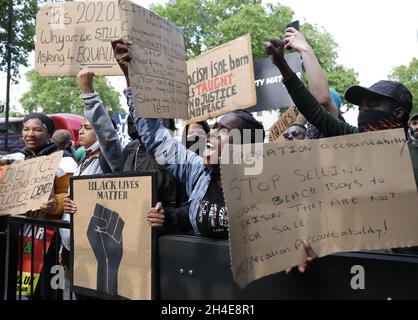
(385, 105)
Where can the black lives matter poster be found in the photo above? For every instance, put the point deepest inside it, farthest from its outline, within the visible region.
(112, 243)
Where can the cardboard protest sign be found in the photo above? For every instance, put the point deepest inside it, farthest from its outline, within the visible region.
(339, 194)
(24, 186)
(221, 80)
(158, 70)
(73, 35)
(271, 93)
(282, 124)
(112, 251)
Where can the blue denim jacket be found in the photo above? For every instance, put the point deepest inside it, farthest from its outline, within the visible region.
(184, 164)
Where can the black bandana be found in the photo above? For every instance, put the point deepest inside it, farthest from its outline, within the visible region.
(377, 120)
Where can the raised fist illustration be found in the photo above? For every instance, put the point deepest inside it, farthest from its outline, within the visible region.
(105, 237)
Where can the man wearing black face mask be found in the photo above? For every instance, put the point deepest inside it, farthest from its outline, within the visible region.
(385, 105)
(136, 158)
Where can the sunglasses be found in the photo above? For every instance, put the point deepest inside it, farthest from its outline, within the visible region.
(294, 134)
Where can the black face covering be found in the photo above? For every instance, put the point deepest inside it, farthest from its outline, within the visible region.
(377, 120)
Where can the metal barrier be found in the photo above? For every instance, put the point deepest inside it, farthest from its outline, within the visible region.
(198, 268)
(32, 253)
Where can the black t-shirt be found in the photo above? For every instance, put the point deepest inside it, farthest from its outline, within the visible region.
(212, 215)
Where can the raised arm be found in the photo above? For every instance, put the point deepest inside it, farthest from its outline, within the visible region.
(96, 114)
(317, 80)
(185, 165)
(305, 102)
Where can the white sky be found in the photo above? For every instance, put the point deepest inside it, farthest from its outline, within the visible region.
(373, 35)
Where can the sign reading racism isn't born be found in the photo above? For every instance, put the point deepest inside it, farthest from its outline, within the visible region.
(221, 80)
(24, 186)
(339, 194)
(112, 245)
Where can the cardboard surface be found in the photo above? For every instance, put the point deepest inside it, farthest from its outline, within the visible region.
(24, 186)
(345, 193)
(112, 241)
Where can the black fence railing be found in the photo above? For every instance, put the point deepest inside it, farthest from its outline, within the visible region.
(198, 268)
(31, 264)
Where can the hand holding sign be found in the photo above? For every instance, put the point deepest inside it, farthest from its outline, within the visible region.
(69, 206)
(310, 258)
(122, 55)
(105, 237)
(156, 216)
(49, 206)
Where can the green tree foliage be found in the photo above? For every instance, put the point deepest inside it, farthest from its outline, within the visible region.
(408, 75)
(210, 23)
(24, 13)
(62, 95)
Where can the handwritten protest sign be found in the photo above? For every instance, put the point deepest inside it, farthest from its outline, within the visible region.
(340, 194)
(158, 70)
(72, 35)
(112, 244)
(221, 80)
(282, 124)
(271, 92)
(26, 185)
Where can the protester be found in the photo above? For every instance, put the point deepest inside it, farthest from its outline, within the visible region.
(136, 158)
(99, 138)
(176, 219)
(62, 138)
(36, 134)
(207, 214)
(413, 130)
(295, 132)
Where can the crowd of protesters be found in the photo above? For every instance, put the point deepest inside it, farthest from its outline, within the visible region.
(189, 191)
